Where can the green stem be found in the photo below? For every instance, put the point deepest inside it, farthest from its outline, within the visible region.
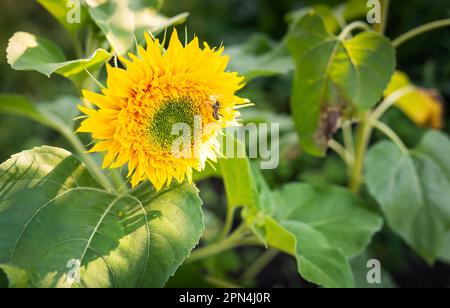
(348, 138)
(235, 240)
(118, 181)
(259, 265)
(341, 151)
(367, 124)
(420, 30)
(228, 223)
(352, 27)
(391, 135)
(381, 27)
(221, 283)
(88, 161)
(389, 101)
(92, 166)
(362, 141)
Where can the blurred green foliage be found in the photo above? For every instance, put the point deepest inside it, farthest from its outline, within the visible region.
(425, 60)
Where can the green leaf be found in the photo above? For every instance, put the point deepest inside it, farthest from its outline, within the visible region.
(334, 77)
(360, 270)
(119, 20)
(27, 52)
(55, 219)
(66, 13)
(317, 260)
(260, 57)
(321, 226)
(324, 11)
(413, 190)
(237, 175)
(334, 212)
(329, 225)
(56, 115)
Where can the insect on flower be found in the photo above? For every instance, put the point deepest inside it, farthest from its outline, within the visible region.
(216, 108)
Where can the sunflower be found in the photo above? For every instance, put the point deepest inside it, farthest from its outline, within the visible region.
(133, 120)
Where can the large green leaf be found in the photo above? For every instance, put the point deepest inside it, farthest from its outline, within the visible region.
(64, 12)
(260, 57)
(55, 218)
(332, 211)
(334, 77)
(413, 190)
(120, 20)
(329, 225)
(26, 52)
(320, 226)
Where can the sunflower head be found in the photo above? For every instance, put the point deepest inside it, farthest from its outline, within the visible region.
(162, 114)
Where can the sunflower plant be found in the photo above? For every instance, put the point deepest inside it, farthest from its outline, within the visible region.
(121, 207)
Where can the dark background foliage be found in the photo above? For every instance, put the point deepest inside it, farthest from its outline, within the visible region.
(426, 60)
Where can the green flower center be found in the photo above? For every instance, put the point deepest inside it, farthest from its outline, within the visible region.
(164, 128)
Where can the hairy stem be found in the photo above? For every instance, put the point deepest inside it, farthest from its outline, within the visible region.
(352, 27)
(391, 135)
(228, 224)
(389, 101)
(341, 151)
(364, 133)
(420, 30)
(89, 162)
(236, 239)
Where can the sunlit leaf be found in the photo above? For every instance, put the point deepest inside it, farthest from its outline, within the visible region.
(56, 222)
(16, 278)
(424, 107)
(120, 20)
(27, 52)
(413, 190)
(334, 77)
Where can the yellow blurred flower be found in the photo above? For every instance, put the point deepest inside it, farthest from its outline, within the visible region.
(422, 106)
(158, 89)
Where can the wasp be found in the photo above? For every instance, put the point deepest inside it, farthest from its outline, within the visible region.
(216, 108)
